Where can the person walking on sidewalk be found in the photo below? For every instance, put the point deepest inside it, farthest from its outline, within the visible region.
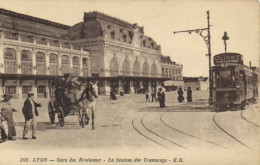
(161, 98)
(153, 95)
(147, 96)
(30, 112)
(189, 94)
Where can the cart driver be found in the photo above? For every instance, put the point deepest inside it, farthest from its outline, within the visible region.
(72, 86)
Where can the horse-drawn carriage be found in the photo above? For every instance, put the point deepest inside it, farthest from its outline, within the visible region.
(68, 99)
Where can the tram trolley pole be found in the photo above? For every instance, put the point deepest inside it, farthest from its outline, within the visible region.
(206, 38)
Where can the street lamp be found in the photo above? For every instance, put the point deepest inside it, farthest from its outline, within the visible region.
(225, 38)
(206, 38)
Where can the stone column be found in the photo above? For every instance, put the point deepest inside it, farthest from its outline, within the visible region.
(47, 58)
(71, 63)
(132, 87)
(19, 90)
(1, 57)
(18, 58)
(35, 90)
(80, 66)
(59, 64)
(34, 62)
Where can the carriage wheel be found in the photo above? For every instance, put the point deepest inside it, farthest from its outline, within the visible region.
(51, 113)
(61, 116)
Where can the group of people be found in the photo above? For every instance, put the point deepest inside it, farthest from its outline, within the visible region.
(7, 125)
(161, 96)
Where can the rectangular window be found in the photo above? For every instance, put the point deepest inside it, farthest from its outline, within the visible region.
(26, 89)
(10, 90)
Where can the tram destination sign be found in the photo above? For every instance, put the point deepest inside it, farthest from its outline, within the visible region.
(228, 58)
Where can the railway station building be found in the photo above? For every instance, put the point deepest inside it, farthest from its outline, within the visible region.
(121, 55)
(116, 54)
(33, 53)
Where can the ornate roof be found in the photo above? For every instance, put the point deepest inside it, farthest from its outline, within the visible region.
(32, 19)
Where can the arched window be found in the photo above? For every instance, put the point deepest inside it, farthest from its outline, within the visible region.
(166, 72)
(136, 70)
(173, 74)
(85, 66)
(26, 62)
(145, 69)
(10, 61)
(54, 66)
(65, 64)
(40, 63)
(153, 70)
(112, 35)
(163, 74)
(75, 62)
(126, 68)
(113, 67)
(124, 38)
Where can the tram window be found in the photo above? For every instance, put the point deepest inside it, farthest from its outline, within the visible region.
(227, 79)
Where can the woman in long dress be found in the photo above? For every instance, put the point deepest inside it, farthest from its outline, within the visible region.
(7, 113)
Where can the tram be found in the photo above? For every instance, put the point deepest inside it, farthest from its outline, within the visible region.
(234, 84)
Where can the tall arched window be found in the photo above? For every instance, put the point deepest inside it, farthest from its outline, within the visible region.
(75, 62)
(54, 66)
(26, 62)
(65, 64)
(112, 35)
(163, 74)
(153, 70)
(10, 61)
(136, 70)
(113, 67)
(126, 68)
(40, 63)
(166, 72)
(145, 69)
(173, 74)
(85, 67)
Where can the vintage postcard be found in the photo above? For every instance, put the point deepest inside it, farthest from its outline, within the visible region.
(129, 82)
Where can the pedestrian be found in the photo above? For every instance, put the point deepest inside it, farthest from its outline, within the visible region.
(7, 115)
(161, 98)
(30, 112)
(147, 96)
(180, 95)
(111, 94)
(189, 94)
(153, 96)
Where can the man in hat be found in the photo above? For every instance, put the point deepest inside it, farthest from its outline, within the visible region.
(7, 114)
(161, 97)
(30, 112)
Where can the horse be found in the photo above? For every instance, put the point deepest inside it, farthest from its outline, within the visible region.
(86, 98)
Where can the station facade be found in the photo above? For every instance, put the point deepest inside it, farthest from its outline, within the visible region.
(121, 55)
(173, 72)
(33, 53)
(117, 54)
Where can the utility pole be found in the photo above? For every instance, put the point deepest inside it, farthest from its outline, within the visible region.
(206, 38)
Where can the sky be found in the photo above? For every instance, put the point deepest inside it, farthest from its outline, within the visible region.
(160, 18)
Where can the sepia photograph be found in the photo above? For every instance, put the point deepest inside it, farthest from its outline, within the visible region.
(129, 82)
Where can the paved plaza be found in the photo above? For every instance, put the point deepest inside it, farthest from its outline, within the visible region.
(130, 123)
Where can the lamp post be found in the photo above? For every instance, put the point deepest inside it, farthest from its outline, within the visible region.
(225, 38)
(206, 37)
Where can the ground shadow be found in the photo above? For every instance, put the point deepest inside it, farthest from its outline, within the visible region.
(43, 126)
